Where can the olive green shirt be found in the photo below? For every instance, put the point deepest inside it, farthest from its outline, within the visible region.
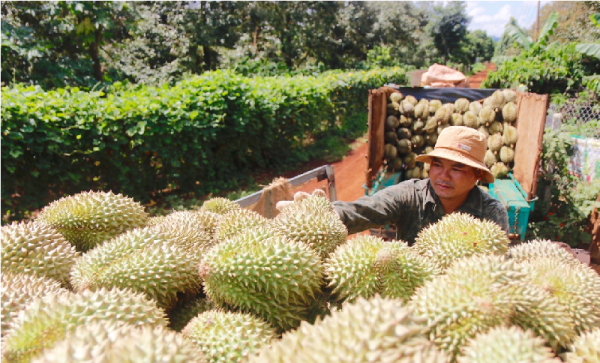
(413, 205)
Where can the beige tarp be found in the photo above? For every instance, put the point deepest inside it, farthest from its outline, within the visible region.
(441, 76)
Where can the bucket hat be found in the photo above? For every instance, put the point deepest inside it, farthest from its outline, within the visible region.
(461, 144)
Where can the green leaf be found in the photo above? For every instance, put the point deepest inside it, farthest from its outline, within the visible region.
(548, 28)
(194, 114)
(591, 49)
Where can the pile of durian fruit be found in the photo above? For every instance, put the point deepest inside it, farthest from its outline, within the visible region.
(412, 128)
(94, 279)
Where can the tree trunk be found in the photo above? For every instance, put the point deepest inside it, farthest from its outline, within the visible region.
(208, 62)
(94, 51)
(255, 39)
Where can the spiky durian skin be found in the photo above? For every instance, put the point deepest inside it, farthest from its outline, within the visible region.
(539, 249)
(585, 348)
(507, 344)
(507, 155)
(461, 105)
(219, 205)
(103, 342)
(475, 107)
(227, 336)
(510, 135)
(144, 260)
(509, 112)
(577, 288)
(367, 265)
(37, 249)
(47, 320)
(396, 97)
(186, 310)
(156, 220)
(318, 227)
(500, 170)
(188, 234)
(458, 235)
(18, 290)
(236, 221)
(198, 219)
(262, 272)
(89, 218)
(374, 330)
(313, 203)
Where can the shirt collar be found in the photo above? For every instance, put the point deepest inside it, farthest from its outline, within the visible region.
(473, 205)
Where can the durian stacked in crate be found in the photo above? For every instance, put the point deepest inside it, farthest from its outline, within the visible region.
(93, 279)
(412, 128)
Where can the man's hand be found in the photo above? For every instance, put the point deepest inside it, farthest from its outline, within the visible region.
(298, 196)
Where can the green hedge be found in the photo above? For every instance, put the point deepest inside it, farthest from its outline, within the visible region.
(203, 135)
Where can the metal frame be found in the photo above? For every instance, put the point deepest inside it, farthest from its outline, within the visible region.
(321, 173)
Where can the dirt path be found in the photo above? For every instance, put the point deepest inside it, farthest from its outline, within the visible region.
(476, 79)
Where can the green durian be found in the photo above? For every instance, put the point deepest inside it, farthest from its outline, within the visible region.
(585, 348)
(227, 336)
(404, 147)
(320, 230)
(390, 137)
(107, 342)
(89, 218)
(431, 139)
(441, 127)
(507, 344)
(428, 150)
(424, 174)
(46, 321)
(456, 119)
(489, 159)
(487, 116)
(405, 121)
(431, 125)
(186, 310)
(509, 112)
(236, 221)
(261, 272)
(458, 235)
(316, 202)
(393, 109)
(417, 141)
(145, 260)
(200, 218)
(153, 221)
(403, 133)
(392, 122)
(397, 164)
(35, 248)
(418, 127)
(443, 114)
(390, 152)
(534, 249)
(410, 160)
(484, 130)
(461, 105)
(470, 120)
(577, 288)
(434, 105)
(494, 142)
(18, 290)
(367, 265)
(507, 155)
(407, 108)
(496, 128)
(509, 95)
(510, 136)
(496, 101)
(421, 111)
(375, 330)
(191, 229)
(475, 108)
(499, 170)
(413, 101)
(396, 97)
(219, 205)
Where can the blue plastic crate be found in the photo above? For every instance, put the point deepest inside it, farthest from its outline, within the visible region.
(384, 180)
(514, 199)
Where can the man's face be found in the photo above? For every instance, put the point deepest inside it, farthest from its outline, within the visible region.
(450, 179)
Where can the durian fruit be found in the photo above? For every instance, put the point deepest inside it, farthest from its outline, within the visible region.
(145, 260)
(577, 288)
(509, 95)
(421, 110)
(405, 121)
(442, 115)
(412, 100)
(403, 133)
(431, 139)
(392, 122)
(496, 101)
(89, 218)
(261, 272)
(499, 170)
(495, 128)
(424, 174)
(434, 105)
(458, 235)
(315, 202)
(238, 220)
(227, 336)
(507, 155)
(397, 164)
(107, 342)
(484, 130)
(188, 233)
(410, 160)
(396, 97)
(186, 310)
(507, 344)
(585, 348)
(393, 108)
(413, 173)
(461, 105)
(375, 330)
(489, 159)
(470, 120)
(539, 249)
(441, 127)
(428, 150)
(390, 152)
(495, 142)
(47, 320)
(431, 125)
(200, 218)
(487, 116)
(404, 146)
(456, 119)
(417, 141)
(509, 112)
(37, 249)
(367, 265)
(19, 289)
(475, 108)
(153, 221)
(407, 108)
(418, 127)
(390, 137)
(510, 136)
(219, 205)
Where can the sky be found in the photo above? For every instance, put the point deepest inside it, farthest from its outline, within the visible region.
(491, 16)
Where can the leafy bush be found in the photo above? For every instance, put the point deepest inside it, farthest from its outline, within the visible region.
(203, 135)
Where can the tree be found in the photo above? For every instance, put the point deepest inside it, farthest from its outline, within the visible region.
(479, 46)
(448, 30)
(573, 21)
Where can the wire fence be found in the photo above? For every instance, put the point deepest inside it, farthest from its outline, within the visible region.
(576, 116)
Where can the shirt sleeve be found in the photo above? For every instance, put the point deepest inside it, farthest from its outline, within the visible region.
(384, 207)
(496, 212)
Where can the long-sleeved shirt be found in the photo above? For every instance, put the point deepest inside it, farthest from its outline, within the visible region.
(413, 205)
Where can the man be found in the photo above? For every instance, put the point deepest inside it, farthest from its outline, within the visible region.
(456, 164)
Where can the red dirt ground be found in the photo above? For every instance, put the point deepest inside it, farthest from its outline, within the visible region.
(476, 79)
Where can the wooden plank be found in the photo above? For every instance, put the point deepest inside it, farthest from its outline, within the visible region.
(531, 119)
